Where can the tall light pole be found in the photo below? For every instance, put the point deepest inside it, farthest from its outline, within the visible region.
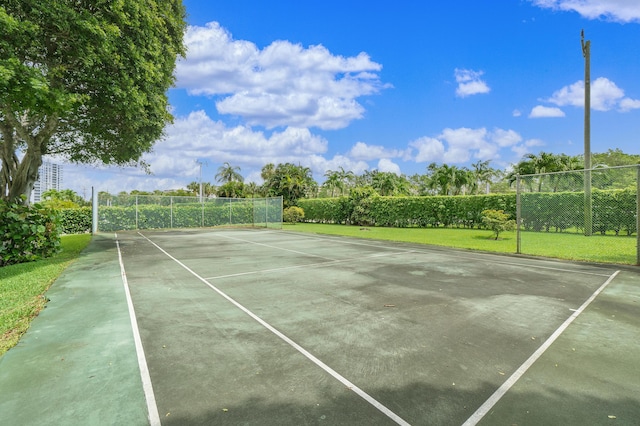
(586, 52)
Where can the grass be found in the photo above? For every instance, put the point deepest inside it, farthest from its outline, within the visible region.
(597, 248)
(22, 288)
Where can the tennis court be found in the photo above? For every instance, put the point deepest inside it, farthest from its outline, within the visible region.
(269, 327)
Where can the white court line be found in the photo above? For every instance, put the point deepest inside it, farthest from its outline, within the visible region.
(293, 344)
(308, 265)
(274, 247)
(152, 408)
(502, 390)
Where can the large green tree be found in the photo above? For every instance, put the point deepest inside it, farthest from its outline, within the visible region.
(84, 80)
(291, 182)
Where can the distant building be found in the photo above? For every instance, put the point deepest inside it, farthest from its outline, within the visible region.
(49, 177)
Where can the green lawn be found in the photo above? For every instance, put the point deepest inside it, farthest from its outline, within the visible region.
(22, 288)
(597, 248)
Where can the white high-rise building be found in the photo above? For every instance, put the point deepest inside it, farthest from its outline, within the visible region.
(49, 177)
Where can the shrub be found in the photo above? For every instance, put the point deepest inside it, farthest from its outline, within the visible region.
(293, 214)
(27, 233)
(498, 221)
(75, 220)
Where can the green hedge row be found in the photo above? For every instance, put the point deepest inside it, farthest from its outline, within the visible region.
(192, 215)
(27, 233)
(460, 211)
(613, 210)
(75, 221)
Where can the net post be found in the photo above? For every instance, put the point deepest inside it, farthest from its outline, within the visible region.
(137, 212)
(171, 212)
(518, 215)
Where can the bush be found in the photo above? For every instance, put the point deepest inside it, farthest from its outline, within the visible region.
(75, 220)
(27, 233)
(498, 221)
(293, 214)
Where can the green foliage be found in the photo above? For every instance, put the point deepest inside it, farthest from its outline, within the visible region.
(293, 214)
(75, 221)
(86, 80)
(364, 207)
(289, 181)
(497, 221)
(188, 214)
(27, 233)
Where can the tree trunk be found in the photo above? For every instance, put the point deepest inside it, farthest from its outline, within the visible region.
(18, 178)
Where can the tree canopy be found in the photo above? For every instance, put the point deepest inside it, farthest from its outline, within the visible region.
(83, 80)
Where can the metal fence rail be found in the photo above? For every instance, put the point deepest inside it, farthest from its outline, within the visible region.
(600, 202)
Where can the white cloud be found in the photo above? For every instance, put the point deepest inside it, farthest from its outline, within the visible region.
(605, 96)
(464, 144)
(612, 10)
(283, 84)
(525, 148)
(470, 83)
(365, 152)
(628, 104)
(516, 113)
(429, 150)
(386, 165)
(541, 111)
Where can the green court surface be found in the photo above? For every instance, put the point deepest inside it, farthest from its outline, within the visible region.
(266, 327)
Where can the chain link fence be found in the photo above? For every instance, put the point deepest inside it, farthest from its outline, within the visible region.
(601, 204)
(128, 212)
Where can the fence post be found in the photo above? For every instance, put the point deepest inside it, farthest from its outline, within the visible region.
(518, 215)
(638, 215)
(137, 212)
(171, 212)
(94, 211)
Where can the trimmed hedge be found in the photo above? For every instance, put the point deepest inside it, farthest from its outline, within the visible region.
(182, 215)
(75, 221)
(613, 210)
(402, 212)
(27, 233)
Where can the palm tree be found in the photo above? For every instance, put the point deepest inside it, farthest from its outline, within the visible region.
(228, 173)
(333, 181)
(267, 171)
(482, 174)
(441, 177)
(346, 178)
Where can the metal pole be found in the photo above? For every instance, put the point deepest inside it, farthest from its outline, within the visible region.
(638, 215)
(588, 218)
(94, 211)
(518, 215)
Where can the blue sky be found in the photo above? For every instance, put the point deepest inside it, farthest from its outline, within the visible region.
(391, 86)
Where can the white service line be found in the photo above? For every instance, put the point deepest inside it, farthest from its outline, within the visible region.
(152, 408)
(293, 344)
(308, 265)
(502, 390)
(273, 247)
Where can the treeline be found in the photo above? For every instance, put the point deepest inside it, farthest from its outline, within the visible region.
(295, 182)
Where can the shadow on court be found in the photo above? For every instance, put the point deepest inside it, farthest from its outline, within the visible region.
(249, 327)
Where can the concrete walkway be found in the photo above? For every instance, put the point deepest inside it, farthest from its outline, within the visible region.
(77, 364)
